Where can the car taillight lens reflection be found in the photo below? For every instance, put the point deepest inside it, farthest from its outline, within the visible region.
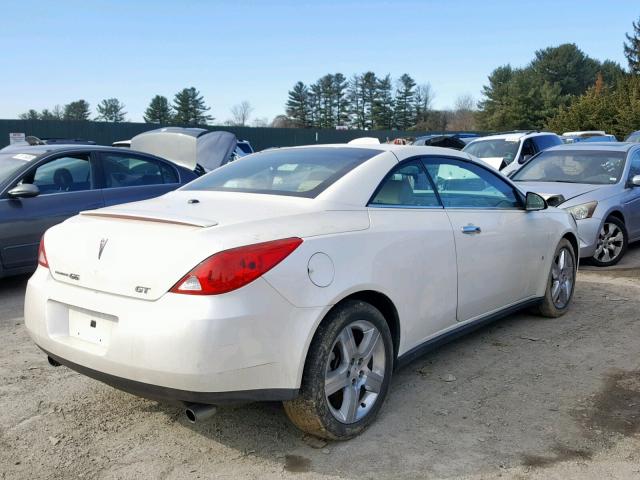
(42, 254)
(231, 269)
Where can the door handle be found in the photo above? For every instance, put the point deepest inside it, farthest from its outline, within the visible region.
(471, 229)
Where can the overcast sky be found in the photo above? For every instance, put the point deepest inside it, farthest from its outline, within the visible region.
(57, 51)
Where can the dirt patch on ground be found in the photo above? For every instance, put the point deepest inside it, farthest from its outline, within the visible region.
(616, 408)
(560, 454)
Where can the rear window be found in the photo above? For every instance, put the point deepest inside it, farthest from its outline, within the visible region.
(300, 172)
(546, 141)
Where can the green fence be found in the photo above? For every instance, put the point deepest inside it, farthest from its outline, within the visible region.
(105, 133)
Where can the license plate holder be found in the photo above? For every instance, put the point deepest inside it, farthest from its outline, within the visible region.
(92, 327)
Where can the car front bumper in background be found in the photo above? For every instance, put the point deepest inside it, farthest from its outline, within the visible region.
(245, 345)
(588, 231)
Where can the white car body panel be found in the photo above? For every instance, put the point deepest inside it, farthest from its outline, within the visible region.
(256, 337)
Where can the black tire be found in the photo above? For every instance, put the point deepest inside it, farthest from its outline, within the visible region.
(548, 307)
(312, 411)
(597, 258)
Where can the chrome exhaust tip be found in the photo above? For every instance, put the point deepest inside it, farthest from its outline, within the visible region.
(197, 412)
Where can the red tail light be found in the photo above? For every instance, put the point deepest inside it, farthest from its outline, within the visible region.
(42, 254)
(231, 269)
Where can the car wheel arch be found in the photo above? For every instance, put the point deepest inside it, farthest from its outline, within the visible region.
(616, 214)
(373, 297)
(574, 243)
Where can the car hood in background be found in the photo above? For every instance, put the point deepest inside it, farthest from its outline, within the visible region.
(564, 191)
(187, 147)
(495, 162)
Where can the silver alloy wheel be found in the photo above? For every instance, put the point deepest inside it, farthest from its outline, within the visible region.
(610, 243)
(562, 278)
(355, 371)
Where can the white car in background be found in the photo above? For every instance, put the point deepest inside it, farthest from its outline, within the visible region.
(303, 275)
(509, 151)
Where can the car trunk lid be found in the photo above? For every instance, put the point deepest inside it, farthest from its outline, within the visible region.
(142, 249)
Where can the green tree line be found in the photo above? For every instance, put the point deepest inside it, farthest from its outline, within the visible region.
(563, 89)
(188, 108)
(364, 101)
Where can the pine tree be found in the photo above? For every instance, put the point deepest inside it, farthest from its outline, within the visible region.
(404, 113)
(323, 90)
(368, 92)
(190, 108)
(632, 49)
(340, 103)
(111, 110)
(315, 102)
(31, 114)
(158, 111)
(383, 104)
(298, 105)
(78, 110)
(55, 114)
(354, 97)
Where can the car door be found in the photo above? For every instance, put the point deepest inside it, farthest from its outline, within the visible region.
(130, 177)
(500, 246)
(417, 253)
(66, 182)
(631, 198)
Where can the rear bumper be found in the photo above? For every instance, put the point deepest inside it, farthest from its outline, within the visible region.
(245, 345)
(167, 394)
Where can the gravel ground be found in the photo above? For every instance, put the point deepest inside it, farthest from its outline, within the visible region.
(523, 398)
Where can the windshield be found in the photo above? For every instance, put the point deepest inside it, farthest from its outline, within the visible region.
(634, 137)
(571, 166)
(12, 162)
(495, 148)
(300, 172)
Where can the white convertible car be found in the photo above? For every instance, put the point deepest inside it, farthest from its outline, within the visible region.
(304, 275)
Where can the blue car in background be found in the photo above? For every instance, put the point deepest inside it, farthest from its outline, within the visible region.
(599, 184)
(634, 137)
(43, 185)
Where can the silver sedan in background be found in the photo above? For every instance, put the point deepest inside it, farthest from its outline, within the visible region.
(599, 184)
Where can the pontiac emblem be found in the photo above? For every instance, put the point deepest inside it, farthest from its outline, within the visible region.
(103, 243)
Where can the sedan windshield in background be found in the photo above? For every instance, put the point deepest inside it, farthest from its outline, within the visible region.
(11, 162)
(300, 172)
(572, 166)
(498, 148)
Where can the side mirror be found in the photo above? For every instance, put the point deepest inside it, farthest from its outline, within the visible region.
(534, 202)
(635, 181)
(24, 190)
(524, 159)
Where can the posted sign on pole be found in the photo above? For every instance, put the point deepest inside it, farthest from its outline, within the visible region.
(17, 138)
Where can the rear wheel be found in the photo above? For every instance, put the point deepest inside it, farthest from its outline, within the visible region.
(612, 243)
(346, 374)
(562, 280)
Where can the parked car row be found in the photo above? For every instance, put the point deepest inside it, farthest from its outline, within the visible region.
(43, 183)
(305, 274)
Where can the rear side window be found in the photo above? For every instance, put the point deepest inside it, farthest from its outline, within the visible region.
(300, 172)
(546, 141)
(406, 186)
(125, 170)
